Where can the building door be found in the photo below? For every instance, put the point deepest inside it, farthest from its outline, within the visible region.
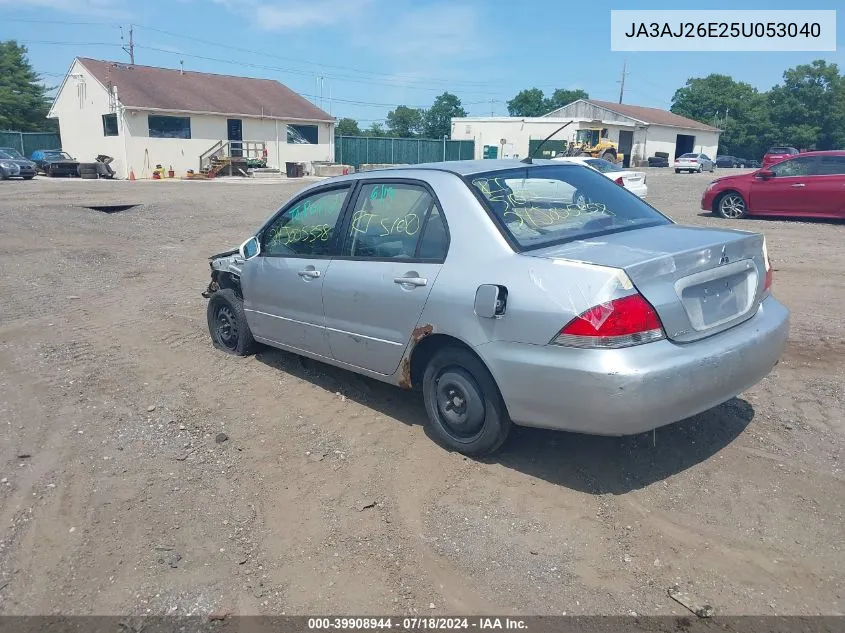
(626, 144)
(684, 144)
(235, 128)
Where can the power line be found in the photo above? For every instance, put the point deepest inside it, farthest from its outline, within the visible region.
(318, 64)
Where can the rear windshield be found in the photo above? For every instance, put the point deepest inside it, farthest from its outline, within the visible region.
(782, 150)
(689, 156)
(602, 165)
(538, 206)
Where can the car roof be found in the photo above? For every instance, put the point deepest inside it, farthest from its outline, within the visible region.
(827, 152)
(467, 167)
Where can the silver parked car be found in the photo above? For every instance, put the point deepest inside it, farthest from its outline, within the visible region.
(485, 286)
(694, 162)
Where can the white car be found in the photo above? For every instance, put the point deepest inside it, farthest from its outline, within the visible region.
(694, 163)
(633, 180)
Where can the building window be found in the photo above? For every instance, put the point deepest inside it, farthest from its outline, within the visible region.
(302, 134)
(109, 125)
(169, 126)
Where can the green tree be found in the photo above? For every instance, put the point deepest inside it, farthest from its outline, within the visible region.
(562, 97)
(808, 108)
(347, 127)
(437, 120)
(736, 107)
(528, 103)
(23, 99)
(405, 122)
(375, 129)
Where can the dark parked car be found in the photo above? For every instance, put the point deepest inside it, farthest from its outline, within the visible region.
(55, 162)
(26, 168)
(732, 161)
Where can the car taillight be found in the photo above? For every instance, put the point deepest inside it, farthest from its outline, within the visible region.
(693, 160)
(619, 323)
(619, 181)
(767, 282)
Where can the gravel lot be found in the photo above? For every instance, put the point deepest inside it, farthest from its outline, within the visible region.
(118, 495)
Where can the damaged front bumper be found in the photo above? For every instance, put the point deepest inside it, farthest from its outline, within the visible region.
(226, 263)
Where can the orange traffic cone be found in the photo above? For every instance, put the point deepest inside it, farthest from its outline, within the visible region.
(131, 174)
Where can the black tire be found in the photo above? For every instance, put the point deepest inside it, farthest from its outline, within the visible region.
(579, 199)
(88, 176)
(28, 177)
(465, 409)
(677, 171)
(227, 323)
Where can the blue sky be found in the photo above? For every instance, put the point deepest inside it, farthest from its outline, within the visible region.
(375, 54)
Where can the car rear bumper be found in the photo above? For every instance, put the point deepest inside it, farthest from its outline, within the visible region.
(636, 389)
(641, 189)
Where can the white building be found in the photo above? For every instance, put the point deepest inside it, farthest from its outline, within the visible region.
(144, 116)
(639, 131)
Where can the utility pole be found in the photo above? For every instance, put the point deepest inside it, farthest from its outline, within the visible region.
(622, 81)
(492, 101)
(131, 48)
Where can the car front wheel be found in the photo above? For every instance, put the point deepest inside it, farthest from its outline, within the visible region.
(731, 206)
(227, 323)
(465, 410)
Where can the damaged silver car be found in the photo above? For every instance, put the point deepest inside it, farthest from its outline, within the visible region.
(537, 294)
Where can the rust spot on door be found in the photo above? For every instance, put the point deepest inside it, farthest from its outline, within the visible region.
(417, 335)
(421, 332)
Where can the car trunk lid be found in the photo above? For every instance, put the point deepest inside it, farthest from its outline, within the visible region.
(700, 281)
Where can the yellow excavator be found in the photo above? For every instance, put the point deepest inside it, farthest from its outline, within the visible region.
(594, 142)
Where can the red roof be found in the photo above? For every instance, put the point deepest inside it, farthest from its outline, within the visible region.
(148, 87)
(654, 116)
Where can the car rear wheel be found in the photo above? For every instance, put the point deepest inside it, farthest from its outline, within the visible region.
(731, 206)
(227, 323)
(580, 200)
(677, 171)
(465, 410)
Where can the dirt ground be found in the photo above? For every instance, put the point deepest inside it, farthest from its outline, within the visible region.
(118, 496)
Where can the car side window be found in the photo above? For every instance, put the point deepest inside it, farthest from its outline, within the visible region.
(307, 227)
(434, 242)
(831, 166)
(388, 220)
(794, 167)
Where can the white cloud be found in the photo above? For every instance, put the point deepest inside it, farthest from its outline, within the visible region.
(295, 14)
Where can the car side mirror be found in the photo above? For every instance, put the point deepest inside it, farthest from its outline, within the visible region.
(250, 248)
(765, 174)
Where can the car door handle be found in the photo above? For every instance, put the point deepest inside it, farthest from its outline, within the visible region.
(410, 281)
(798, 184)
(310, 274)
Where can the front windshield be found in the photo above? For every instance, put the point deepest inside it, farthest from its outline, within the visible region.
(603, 166)
(542, 205)
(11, 152)
(57, 155)
(5, 155)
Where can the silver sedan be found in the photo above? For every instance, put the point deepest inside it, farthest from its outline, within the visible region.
(694, 163)
(482, 284)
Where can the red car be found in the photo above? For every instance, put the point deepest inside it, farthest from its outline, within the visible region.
(811, 184)
(777, 154)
